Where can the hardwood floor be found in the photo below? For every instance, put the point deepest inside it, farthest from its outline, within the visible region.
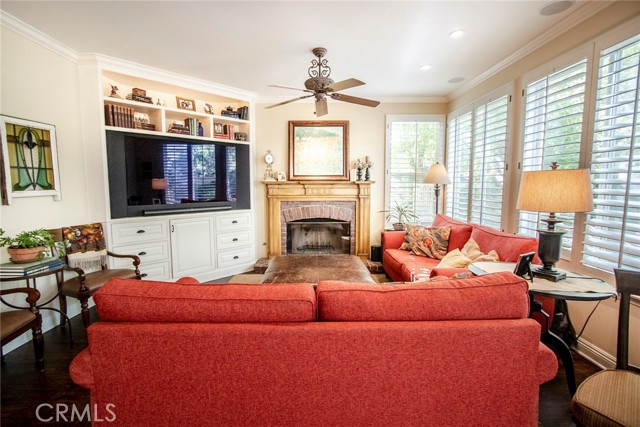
(24, 388)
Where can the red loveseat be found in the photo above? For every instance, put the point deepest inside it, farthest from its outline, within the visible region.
(346, 354)
(402, 266)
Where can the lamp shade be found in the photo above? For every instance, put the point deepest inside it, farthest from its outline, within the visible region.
(560, 190)
(437, 174)
(159, 184)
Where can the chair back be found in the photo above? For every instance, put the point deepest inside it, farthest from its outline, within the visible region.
(627, 284)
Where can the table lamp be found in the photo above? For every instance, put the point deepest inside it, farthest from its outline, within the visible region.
(554, 191)
(159, 184)
(437, 174)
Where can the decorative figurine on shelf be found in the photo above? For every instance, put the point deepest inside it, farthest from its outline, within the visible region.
(114, 92)
(208, 108)
(158, 103)
(368, 164)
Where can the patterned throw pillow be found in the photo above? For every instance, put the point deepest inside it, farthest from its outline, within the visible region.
(431, 242)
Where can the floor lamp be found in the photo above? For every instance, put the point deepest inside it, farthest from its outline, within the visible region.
(554, 191)
(437, 174)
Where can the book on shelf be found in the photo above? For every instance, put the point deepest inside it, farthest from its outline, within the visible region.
(119, 116)
(244, 113)
(139, 98)
(10, 269)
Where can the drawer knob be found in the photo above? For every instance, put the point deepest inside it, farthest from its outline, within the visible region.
(234, 221)
(235, 239)
(144, 275)
(142, 253)
(140, 231)
(236, 257)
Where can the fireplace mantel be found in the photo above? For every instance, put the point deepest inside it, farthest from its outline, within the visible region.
(300, 191)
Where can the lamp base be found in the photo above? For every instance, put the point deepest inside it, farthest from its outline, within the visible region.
(552, 275)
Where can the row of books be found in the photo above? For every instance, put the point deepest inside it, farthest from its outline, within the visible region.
(227, 131)
(118, 115)
(10, 269)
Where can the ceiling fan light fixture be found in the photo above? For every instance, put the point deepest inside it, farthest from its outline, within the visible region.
(456, 34)
(556, 7)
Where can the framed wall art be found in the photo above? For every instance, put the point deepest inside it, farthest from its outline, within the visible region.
(318, 150)
(30, 159)
(185, 104)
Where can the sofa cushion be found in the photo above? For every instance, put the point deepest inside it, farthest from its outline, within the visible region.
(122, 300)
(403, 266)
(508, 246)
(492, 296)
(460, 231)
(432, 242)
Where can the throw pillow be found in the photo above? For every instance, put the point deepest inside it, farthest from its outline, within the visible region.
(472, 251)
(455, 259)
(431, 242)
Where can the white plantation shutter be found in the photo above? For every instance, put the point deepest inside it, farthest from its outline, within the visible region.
(413, 144)
(176, 172)
(489, 150)
(554, 107)
(179, 159)
(459, 134)
(612, 235)
(203, 181)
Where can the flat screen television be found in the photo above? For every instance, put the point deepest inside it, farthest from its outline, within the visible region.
(161, 175)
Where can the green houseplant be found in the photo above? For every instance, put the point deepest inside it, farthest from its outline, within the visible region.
(27, 246)
(400, 214)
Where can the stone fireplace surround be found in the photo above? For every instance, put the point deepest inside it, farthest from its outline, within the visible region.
(341, 200)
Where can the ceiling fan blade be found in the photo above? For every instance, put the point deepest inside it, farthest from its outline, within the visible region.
(321, 107)
(344, 84)
(289, 101)
(355, 100)
(289, 87)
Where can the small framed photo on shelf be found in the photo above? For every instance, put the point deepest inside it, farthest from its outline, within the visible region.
(282, 176)
(240, 136)
(185, 104)
(218, 128)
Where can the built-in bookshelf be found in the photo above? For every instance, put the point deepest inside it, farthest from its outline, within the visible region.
(155, 110)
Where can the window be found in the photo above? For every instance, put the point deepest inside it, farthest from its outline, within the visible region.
(553, 116)
(413, 144)
(476, 161)
(612, 235)
(191, 172)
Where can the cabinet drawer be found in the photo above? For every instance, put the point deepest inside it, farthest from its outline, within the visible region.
(148, 252)
(233, 240)
(138, 232)
(234, 221)
(231, 258)
(156, 271)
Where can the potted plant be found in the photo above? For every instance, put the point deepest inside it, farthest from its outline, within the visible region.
(401, 214)
(27, 246)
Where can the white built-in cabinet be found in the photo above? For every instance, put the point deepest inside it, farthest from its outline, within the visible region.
(193, 246)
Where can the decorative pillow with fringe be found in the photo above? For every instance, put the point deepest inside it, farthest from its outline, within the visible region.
(86, 246)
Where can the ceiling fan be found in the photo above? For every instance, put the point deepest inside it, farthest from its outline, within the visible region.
(320, 85)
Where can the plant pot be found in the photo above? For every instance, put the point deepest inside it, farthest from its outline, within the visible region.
(24, 255)
(398, 226)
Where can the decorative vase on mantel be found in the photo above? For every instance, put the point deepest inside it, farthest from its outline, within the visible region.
(359, 174)
(24, 255)
(367, 175)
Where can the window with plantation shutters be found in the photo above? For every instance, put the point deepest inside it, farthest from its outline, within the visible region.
(459, 133)
(413, 144)
(612, 234)
(489, 151)
(553, 122)
(190, 171)
(176, 172)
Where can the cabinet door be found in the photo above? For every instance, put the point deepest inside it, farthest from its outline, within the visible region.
(192, 246)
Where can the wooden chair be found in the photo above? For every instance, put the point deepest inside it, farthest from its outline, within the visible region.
(17, 322)
(85, 283)
(612, 397)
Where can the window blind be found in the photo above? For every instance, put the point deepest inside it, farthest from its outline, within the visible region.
(176, 172)
(554, 107)
(489, 149)
(412, 146)
(612, 236)
(459, 134)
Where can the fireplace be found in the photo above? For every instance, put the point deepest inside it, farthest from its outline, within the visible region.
(318, 236)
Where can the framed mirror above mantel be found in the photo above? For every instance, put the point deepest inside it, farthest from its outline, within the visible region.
(336, 200)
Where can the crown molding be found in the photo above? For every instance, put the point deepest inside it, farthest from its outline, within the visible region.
(14, 24)
(588, 10)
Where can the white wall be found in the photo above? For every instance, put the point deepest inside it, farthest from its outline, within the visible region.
(366, 138)
(42, 85)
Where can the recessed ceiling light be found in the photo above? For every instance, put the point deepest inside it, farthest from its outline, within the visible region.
(425, 67)
(556, 7)
(457, 34)
(456, 80)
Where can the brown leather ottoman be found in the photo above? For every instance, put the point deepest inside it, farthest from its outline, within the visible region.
(313, 268)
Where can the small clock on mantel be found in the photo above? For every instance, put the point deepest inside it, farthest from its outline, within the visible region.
(268, 173)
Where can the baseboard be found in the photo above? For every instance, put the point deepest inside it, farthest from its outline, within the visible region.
(594, 354)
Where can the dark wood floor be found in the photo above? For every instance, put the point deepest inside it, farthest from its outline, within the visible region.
(24, 388)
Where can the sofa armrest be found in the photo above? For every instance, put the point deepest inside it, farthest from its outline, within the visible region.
(547, 366)
(81, 370)
(392, 239)
(447, 271)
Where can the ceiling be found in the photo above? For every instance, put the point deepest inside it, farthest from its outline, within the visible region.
(249, 45)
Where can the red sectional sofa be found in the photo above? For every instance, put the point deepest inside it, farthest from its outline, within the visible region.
(450, 353)
(402, 266)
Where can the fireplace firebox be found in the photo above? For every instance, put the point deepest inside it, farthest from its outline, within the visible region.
(318, 236)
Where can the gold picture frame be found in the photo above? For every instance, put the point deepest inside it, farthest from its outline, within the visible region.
(185, 103)
(319, 150)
